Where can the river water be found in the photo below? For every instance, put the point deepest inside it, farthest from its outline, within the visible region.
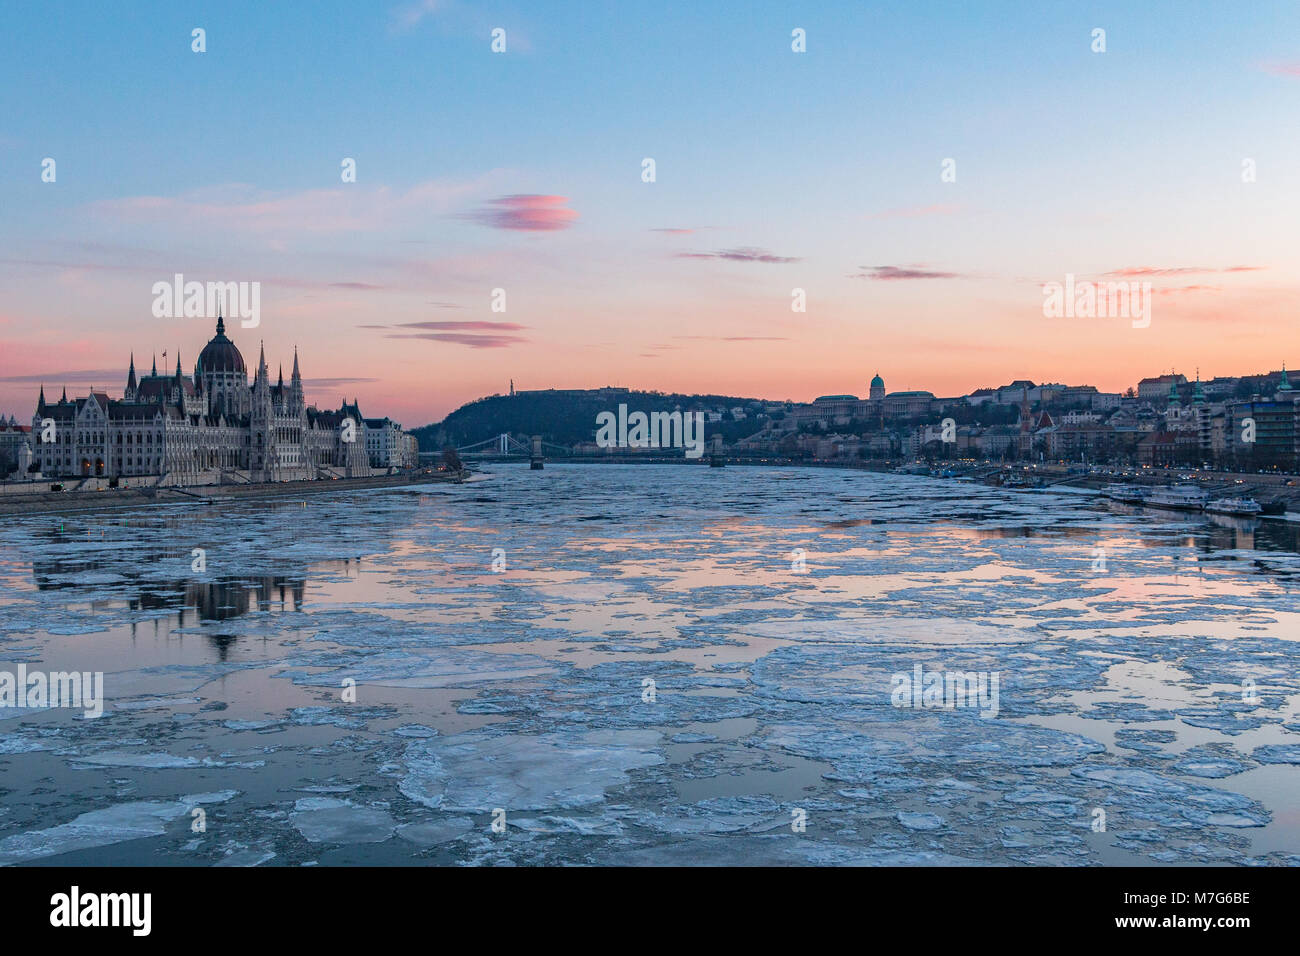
(655, 665)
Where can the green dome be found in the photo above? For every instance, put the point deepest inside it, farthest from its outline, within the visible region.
(877, 382)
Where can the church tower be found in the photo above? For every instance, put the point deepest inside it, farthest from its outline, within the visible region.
(296, 403)
(261, 432)
(132, 386)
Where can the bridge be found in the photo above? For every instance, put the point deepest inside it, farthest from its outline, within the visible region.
(504, 447)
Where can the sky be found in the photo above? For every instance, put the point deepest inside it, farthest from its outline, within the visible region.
(774, 170)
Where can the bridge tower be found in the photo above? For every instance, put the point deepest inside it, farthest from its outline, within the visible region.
(535, 457)
(715, 455)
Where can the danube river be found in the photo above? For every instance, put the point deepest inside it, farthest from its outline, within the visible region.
(655, 665)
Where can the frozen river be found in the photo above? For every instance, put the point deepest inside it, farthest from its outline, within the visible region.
(654, 664)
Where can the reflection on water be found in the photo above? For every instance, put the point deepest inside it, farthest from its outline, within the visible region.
(768, 608)
(1211, 533)
(214, 600)
(1232, 533)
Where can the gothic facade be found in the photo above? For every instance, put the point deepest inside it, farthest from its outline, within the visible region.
(206, 428)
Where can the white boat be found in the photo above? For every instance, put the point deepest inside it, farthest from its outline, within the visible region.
(1181, 497)
(1240, 507)
(1130, 494)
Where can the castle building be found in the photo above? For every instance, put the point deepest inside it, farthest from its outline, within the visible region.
(879, 406)
(206, 428)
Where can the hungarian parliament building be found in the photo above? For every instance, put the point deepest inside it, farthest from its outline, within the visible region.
(211, 427)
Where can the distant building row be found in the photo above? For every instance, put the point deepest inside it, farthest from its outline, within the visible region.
(1248, 422)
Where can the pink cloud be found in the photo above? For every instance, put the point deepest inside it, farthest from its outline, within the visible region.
(473, 341)
(91, 376)
(526, 213)
(458, 333)
(895, 273)
(744, 254)
(463, 326)
(1136, 271)
(1179, 290)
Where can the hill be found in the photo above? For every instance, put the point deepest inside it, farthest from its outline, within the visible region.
(568, 416)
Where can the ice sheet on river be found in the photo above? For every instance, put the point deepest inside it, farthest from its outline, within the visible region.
(329, 820)
(527, 690)
(115, 824)
(485, 769)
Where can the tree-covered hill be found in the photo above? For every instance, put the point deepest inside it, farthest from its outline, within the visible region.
(568, 416)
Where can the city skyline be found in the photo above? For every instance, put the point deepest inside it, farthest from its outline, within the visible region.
(323, 392)
(523, 171)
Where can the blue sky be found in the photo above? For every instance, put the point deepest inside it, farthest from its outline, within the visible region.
(225, 165)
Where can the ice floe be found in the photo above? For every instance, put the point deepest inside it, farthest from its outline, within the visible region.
(482, 770)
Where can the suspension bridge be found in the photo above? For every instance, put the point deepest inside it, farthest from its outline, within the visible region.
(505, 447)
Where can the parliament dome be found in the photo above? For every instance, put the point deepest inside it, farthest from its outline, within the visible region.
(220, 354)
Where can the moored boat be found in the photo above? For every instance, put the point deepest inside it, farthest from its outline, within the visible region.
(1179, 497)
(1238, 507)
(1129, 494)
